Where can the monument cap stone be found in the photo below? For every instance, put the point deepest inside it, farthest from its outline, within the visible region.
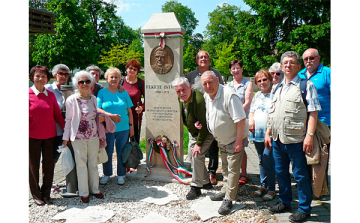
(163, 21)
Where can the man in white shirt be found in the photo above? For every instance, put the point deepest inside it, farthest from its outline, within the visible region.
(226, 120)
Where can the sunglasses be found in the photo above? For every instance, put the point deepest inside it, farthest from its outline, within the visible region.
(85, 82)
(63, 74)
(263, 80)
(309, 58)
(273, 73)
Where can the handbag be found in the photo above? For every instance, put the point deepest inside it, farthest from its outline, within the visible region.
(102, 156)
(131, 154)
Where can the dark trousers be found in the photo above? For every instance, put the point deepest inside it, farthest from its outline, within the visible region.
(38, 147)
(213, 157)
(137, 129)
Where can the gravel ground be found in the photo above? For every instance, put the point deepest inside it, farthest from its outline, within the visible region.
(128, 209)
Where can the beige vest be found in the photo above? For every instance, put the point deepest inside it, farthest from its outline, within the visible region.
(225, 128)
(287, 118)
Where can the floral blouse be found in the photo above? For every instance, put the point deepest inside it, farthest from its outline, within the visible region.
(260, 107)
(87, 126)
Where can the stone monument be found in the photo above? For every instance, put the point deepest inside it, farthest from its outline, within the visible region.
(163, 61)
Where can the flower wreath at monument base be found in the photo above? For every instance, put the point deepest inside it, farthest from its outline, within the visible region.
(162, 145)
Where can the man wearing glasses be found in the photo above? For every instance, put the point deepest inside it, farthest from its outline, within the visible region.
(292, 137)
(194, 77)
(321, 77)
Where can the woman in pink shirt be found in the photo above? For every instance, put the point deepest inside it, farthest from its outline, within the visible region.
(44, 112)
(81, 130)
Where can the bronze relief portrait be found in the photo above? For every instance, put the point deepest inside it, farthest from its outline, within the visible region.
(161, 60)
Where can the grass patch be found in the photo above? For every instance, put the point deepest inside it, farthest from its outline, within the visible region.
(186, 142)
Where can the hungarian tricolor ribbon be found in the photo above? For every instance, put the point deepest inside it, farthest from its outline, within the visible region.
(163, 36)
(175, 169)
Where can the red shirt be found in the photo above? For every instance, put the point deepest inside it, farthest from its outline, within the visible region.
(44, 112)
(135, 95)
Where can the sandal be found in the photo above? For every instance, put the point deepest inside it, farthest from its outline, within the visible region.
(243, 180)
(269, 196)
(259, 192)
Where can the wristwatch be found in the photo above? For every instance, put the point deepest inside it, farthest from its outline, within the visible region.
(310, 133)
(131, 124)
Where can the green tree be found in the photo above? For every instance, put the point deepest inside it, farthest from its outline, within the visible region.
(225, 53)
(118, 56)
(72, 44)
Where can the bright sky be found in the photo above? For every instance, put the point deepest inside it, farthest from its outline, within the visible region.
(136, 13)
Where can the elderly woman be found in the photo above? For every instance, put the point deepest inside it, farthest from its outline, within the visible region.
(95, 71)
(135, 88)
(61, 73)
(118, 107)
(44, 112)
(258, 117)
(276, 73)
(244, 89)
(81, 129)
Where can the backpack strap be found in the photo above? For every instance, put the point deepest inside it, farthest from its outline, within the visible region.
(139, 84)
(303, 91)
(122, 80)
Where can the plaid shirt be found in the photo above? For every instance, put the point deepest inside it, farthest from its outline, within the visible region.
(311, 96)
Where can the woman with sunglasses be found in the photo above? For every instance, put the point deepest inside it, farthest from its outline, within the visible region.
(244, 89)
(276, 73)
(258, 117)
(118, 107)
(81, 130)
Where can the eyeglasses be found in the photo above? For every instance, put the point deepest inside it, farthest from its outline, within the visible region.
(84, 82)
(203, 57)
(291, 63)
(132, 68)
(309, 58)
(263, 80)
(273, 73)
(63, 74)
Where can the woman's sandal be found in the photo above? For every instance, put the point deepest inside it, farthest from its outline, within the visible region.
(259, 192)
(269, 196)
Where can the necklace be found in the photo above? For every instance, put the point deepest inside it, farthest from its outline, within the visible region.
(131, 81)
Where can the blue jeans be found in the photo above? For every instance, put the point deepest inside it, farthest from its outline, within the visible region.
(266, 165)
(119, 139)
(283, 155)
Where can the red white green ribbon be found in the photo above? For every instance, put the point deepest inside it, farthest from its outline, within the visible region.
(176, 169)
(163, 36)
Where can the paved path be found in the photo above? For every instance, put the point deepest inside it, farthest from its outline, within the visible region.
(320, 208)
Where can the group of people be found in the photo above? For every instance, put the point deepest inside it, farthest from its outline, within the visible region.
(276, 119)
(218, 117)
(95, 117)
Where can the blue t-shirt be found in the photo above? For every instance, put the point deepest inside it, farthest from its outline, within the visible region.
(321, 79)
(116, 103)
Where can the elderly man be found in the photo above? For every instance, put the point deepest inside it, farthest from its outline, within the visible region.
(321, 77)
(192, 109)
(95, 71)
(226, 120)
(194, 77)
(61, 73)
(292, 126)
(160, 66)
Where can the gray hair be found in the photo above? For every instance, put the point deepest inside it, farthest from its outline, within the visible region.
(58, 67)
(210, 72)
(93, 67)
(81, 73)
(275, 67)
(290, 54)
(202, 51)
(179, 81)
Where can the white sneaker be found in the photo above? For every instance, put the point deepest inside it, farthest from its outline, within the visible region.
(104, 180)
(121, 180)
